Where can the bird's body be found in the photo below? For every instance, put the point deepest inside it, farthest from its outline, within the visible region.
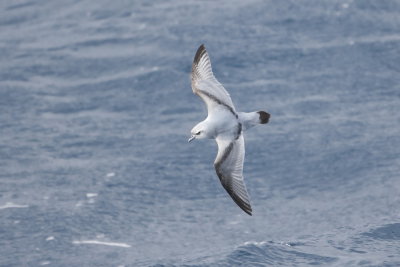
(226, 126)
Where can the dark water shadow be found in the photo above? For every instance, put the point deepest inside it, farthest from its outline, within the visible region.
(386, 232)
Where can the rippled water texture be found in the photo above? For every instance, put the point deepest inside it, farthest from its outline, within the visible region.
(96, 108)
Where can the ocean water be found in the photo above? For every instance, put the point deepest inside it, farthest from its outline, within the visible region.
(96, 108)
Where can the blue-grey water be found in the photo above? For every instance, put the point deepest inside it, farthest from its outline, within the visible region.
(96, 108)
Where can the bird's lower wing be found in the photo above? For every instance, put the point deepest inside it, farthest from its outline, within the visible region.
(229, 168)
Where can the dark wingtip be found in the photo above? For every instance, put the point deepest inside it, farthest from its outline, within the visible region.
(247, 209)
(242, 204)
(200, 51)
(249, 212)
(264, 117)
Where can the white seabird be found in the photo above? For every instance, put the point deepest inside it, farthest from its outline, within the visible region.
(226, 126)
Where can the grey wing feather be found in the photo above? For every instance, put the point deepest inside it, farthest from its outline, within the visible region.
(229, 168)
(205, 85)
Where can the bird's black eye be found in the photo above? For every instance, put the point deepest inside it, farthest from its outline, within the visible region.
(198, 132)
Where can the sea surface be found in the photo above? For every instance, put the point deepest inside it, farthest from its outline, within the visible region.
(96, 108)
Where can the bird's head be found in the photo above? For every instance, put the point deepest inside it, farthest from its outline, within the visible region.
(198, 132)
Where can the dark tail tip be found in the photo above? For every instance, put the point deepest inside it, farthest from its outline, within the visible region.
(264, 117)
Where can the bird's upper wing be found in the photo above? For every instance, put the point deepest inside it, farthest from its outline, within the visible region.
(206, 86)
(229, 168)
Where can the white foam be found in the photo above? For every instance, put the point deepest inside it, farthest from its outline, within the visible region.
(255, 243)
(45, 263)
(50, 238)
(96, 242)
(9, 205)
(89, 195)
(100, 236)
(111, 174)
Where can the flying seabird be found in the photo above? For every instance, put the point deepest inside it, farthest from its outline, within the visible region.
(226, 126)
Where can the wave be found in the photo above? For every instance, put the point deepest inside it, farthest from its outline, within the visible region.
(9, 205)
(269, 253)
(96, 242)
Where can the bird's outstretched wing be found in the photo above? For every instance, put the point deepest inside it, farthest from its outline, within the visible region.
(206, 86)
(229, 167)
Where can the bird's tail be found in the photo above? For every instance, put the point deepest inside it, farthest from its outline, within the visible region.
(251, 119)
(264, 117)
